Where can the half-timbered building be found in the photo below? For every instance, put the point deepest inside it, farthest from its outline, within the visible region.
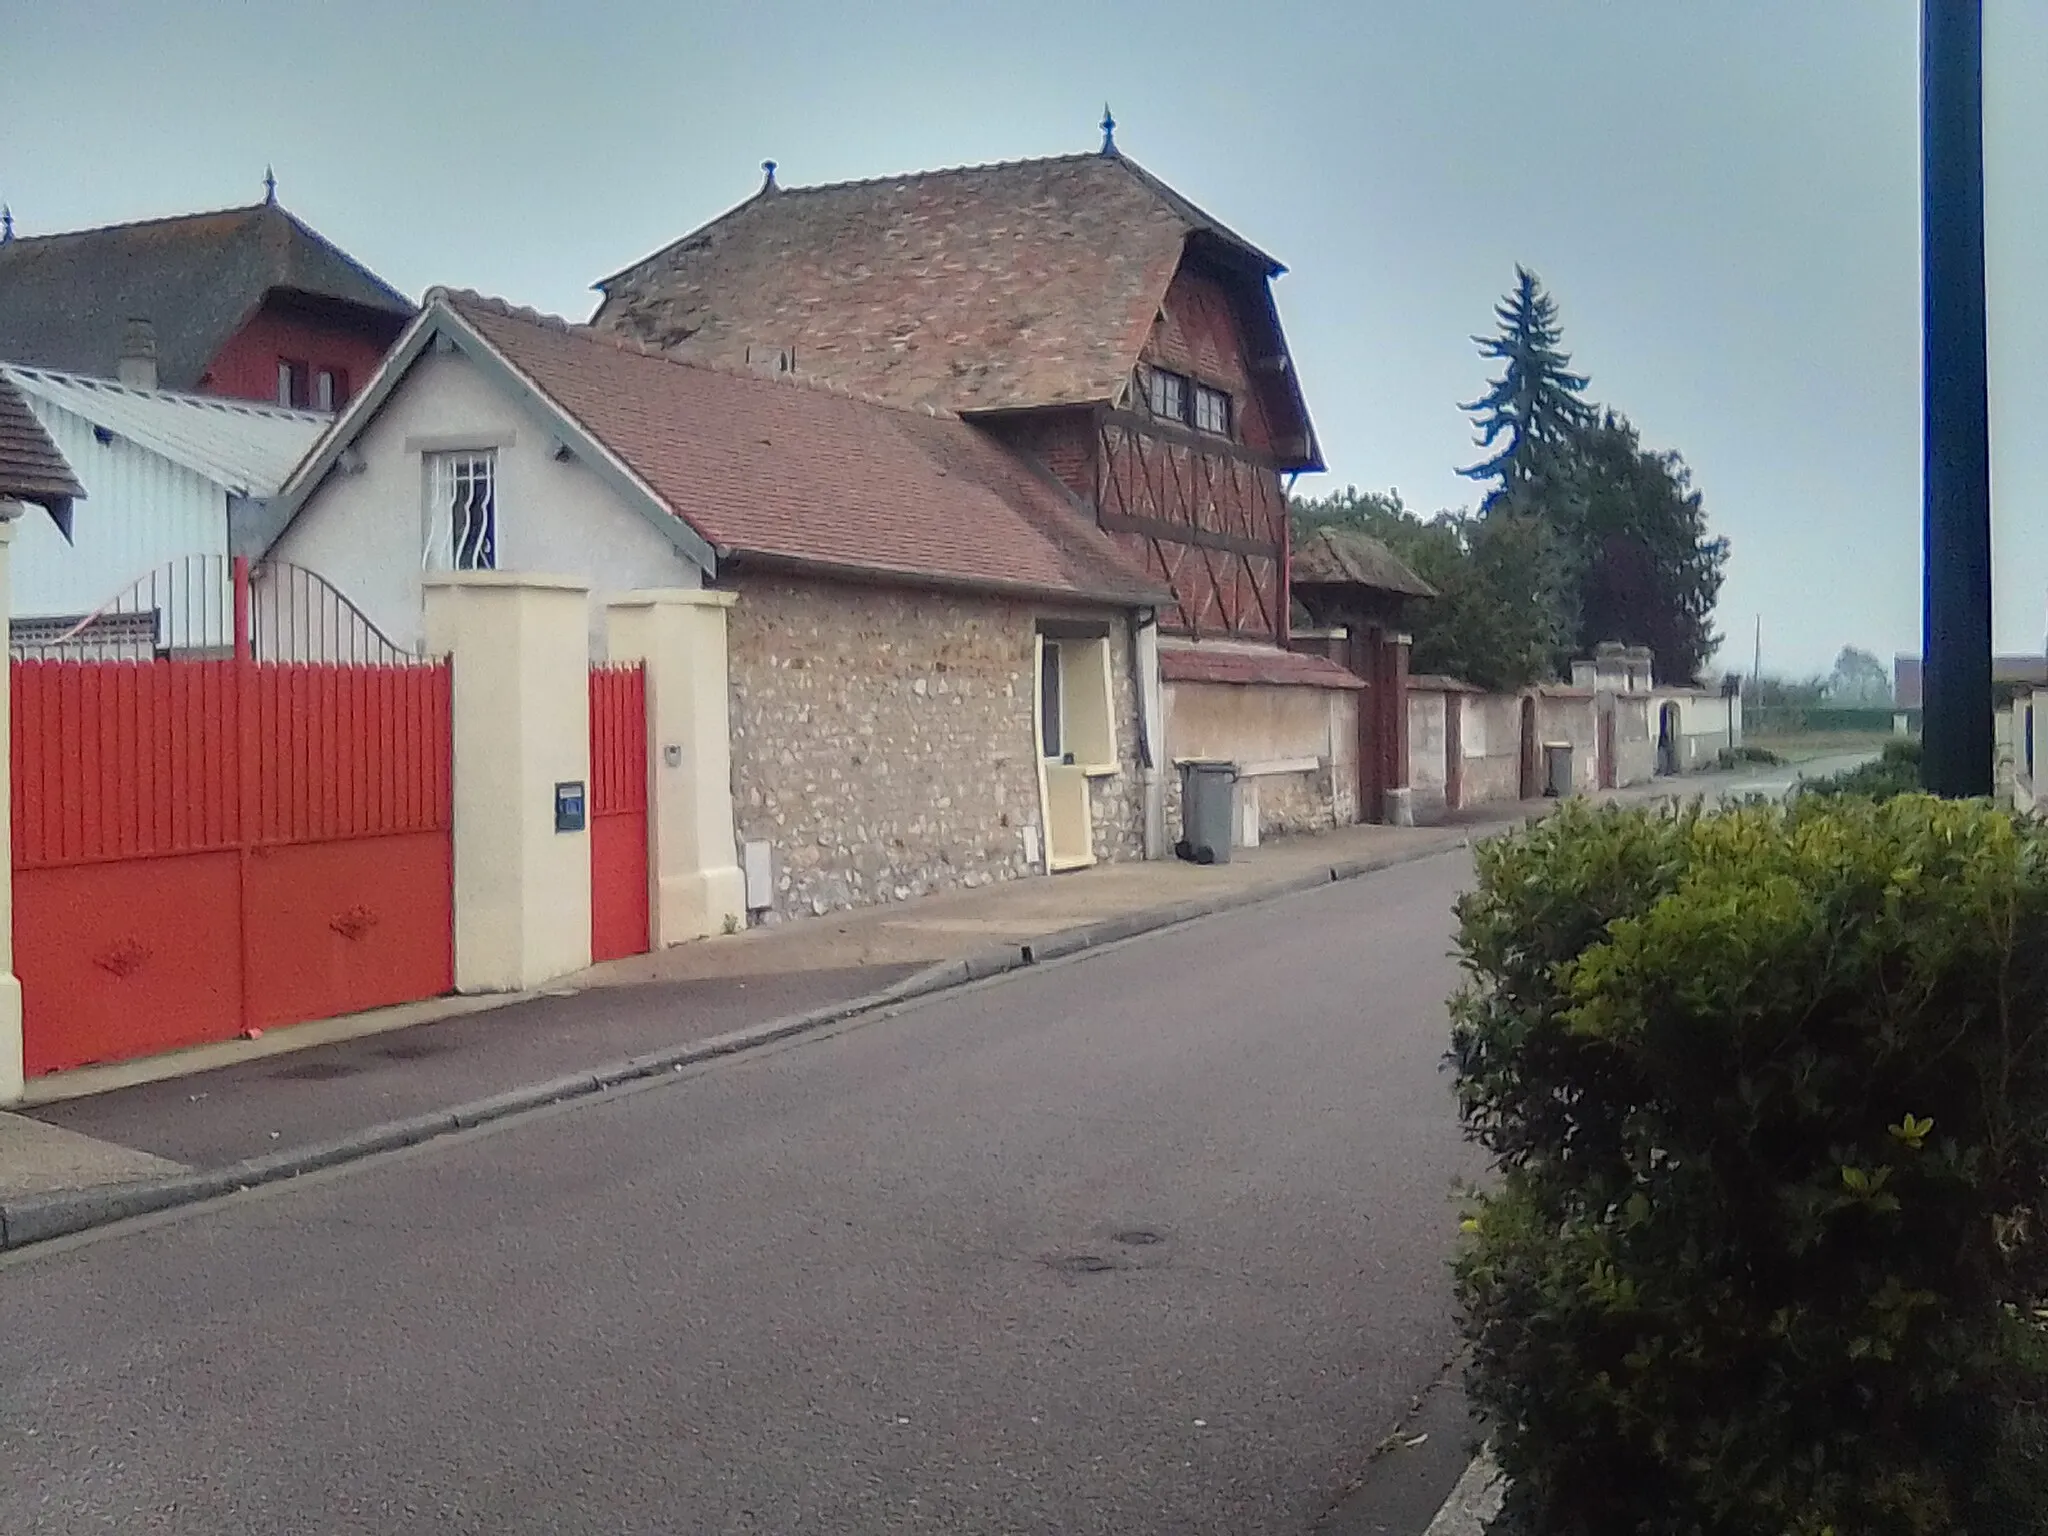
(1104, 329)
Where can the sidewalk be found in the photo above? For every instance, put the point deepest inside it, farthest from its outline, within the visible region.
(298, 1098)
(319, 1086)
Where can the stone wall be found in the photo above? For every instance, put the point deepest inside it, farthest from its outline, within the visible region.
(1117, 803)
(1567, 716)
(1265, 729)
(1292, 802)
(883, 741)
(1428, 782)
(1491, 736)
(1635, 739)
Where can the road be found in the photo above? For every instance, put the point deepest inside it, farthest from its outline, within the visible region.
(1148, 1241)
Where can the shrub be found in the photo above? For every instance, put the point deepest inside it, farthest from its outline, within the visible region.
(1767, 1092)
(1734, 757)
(1894, 771)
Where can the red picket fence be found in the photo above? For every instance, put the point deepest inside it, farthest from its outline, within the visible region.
(206, 847)
(618, 812)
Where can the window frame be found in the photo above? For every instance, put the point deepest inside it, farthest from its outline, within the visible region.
(294, 384)
(446, 536)
(330, 389)
(1226, 407)
(1158, 383)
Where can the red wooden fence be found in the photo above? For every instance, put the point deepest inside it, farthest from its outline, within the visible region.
(618, 812)
(206, 847)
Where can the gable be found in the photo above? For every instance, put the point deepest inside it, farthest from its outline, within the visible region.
(1200, 333)
(365, 527)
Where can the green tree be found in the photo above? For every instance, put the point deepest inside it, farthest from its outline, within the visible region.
(1530, 418)
(1499, 619)
(1646, 570)
(1859, 678)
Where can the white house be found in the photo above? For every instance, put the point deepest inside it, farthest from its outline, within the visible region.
(162, 472)
(938, 670)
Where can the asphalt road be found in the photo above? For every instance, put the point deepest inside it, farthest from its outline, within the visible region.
(1148, 1241)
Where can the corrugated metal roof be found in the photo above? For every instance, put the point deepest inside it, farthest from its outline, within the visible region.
(247, 449)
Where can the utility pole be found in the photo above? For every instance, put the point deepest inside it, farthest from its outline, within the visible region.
(1956, 441)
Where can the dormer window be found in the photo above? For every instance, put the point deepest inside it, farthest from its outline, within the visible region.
(1176, 397)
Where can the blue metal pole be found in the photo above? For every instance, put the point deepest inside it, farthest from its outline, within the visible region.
(1956, 443)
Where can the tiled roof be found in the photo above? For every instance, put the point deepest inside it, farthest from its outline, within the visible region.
(1347, 557)
(773, 470)
(66, 298)
(31, 468)
(1437, 682)
(1030, 283)
(1215, 664)
(245, 448)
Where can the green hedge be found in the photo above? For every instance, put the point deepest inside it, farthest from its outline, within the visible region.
(1800, 719)
(1767, 1091)
(1894, 771)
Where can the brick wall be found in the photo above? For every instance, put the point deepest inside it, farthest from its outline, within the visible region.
(882, 741)
(1062, 441)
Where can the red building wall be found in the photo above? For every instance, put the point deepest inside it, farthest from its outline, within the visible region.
(1199, 335)
(246, 368)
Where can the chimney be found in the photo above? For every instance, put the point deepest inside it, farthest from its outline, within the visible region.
(137, 367)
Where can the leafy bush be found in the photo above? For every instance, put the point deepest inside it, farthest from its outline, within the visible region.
(1734, 757)
(1894, 771)
(1767, 1091)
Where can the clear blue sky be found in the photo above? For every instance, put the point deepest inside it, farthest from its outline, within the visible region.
(1723, 197)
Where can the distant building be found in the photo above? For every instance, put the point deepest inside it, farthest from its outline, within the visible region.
(248, 303)
(161, 470)
(2031, 671)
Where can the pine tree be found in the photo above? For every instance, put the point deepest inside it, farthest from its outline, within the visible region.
(1537, 404)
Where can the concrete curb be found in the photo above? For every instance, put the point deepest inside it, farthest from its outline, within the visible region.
(1475, 1501)
(29, 1219)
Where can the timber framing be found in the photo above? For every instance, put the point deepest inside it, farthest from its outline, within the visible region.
(1207, 517)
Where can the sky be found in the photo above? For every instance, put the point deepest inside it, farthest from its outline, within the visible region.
(1723, 197)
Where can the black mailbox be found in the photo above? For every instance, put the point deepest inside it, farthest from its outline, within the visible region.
(569, 806)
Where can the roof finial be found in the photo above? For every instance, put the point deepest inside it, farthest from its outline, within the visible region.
(1108, 131)
(6, 224)
(768, 176)
(269, 186)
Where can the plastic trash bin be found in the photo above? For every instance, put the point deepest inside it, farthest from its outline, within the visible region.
(1557, 770)
(1208, 805)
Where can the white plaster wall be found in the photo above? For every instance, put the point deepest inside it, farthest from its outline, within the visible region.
(365, 532)
(1426, 726)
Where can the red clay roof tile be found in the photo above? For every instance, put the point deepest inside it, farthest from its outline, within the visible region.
(1213, 664)
(792, 472)
(1029, 283)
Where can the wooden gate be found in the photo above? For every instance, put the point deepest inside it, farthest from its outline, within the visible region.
(618, 812)
(206, 846)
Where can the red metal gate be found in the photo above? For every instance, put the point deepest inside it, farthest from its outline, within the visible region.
(208, 846)
(618, 811)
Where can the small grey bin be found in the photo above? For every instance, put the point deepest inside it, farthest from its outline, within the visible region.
(1557, 770)
(1208, 811)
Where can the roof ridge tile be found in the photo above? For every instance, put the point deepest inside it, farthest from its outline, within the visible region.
(939, 170)
(120, 224)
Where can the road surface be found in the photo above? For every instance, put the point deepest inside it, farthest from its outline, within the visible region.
(1148, 1241)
